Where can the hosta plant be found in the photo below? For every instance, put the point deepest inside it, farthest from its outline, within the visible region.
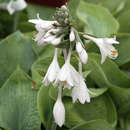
(64, 68)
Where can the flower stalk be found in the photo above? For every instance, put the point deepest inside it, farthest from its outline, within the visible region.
(61, 34)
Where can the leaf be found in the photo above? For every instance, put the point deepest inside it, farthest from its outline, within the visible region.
(121, 97)
(6, 22)
(124, 53)
(73, 5)
(124, 21)
(45, 103)
(98, 20)
(110, 76)
(106, 73)
(4, 1)
(18, 108)
(86, 73)
(45, 107)
(126, 7)
(97, 92)
(101, 107)
(93, 125)
(113, 6)
(15, 50)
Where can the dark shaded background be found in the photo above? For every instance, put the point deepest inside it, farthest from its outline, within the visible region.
(49, 3)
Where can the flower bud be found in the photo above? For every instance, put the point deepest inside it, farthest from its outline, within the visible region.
(72, 35)
(59, 110)
(82, 53)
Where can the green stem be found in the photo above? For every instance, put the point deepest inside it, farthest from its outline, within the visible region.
(121, 121)
(123, 34)
(16, 19)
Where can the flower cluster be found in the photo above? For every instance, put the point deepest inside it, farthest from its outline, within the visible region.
(60, 33)
(13, 5)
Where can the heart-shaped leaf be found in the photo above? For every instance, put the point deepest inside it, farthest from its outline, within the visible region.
(98, 21)
(124, 53)
(124, 21)
(18, 107)
(15, 50)
(101, 107)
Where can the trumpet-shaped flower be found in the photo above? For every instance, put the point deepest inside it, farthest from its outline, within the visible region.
(67, 76)
(16, 6)
(105, 46)
(47, 33)
(80, 92)
(42, 24)
(82, 53)
(53, 70)
(59, 110)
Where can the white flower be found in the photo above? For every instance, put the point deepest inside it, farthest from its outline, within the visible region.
(82, 53)
(57, 40)
(46, 32)
(81, 92)
(16, 6)
(72, 35)
(48, 40)
(42, 24)
(39, 38)
(52, 39)
(52, 31)
(53, 70)
(105, 46)
(67, 76)
(59, 110)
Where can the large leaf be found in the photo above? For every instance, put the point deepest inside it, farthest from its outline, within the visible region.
(15, 49)
(97, 19)
(18, 108)
(113, 6)
(73, 5)
(124, 53)
(101, 107)
(106, 73)
(94, 125)
(124, 21)
(122, 98)
(4, 1)
(45, 103)
(45, 107)
(6, 22)
(109, 75)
